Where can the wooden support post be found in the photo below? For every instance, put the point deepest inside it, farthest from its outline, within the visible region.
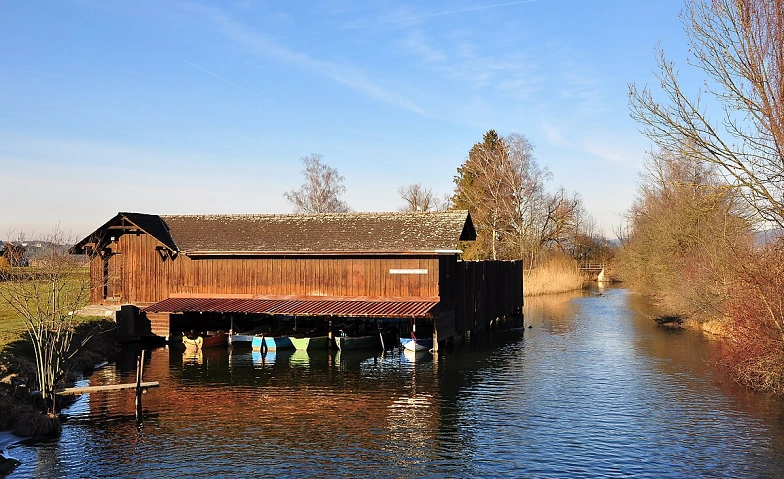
(380, 335)
(139, 374)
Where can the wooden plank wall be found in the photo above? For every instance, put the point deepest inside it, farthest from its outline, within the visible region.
(146, 276)
(485, 290)
(96, 280)
(159, 323)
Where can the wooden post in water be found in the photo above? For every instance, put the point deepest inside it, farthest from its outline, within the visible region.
(139, 374)
(380, 335)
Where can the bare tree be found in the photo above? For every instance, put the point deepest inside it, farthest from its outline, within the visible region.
(47, 297)
(419, 198)
(322, 190)
(683, 230)
(739, 46)
(13, 254)
(485, 185)
(504, 188)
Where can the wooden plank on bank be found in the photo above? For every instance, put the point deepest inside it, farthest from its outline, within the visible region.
(108, 387)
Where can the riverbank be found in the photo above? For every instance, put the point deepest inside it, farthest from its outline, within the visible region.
(20, 409)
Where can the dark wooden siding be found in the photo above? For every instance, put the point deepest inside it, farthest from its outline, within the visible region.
(145, 275)
(96, 280)
(485, 290)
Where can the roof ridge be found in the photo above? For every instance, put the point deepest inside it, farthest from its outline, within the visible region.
(295, 215)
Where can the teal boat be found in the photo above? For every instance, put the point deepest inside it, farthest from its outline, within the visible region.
(271, 343)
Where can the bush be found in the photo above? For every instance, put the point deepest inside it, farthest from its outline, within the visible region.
(754, 351)
(35, 424)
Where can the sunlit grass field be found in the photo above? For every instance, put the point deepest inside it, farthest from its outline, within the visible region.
(12, 327)
(12, 324)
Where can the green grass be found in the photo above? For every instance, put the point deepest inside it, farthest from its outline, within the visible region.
(12, 325)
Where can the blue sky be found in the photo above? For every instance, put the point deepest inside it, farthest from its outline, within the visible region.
(187, 107)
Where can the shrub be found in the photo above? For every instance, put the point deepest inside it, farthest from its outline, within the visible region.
(754, 351)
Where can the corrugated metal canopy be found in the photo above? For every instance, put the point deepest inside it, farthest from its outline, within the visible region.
(313, 306)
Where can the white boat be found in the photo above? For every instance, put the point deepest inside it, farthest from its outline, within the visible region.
(416, 344)
(240, 339)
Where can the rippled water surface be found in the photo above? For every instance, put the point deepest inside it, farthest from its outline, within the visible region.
(592, 389)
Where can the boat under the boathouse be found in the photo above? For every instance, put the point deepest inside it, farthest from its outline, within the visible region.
(295, 280)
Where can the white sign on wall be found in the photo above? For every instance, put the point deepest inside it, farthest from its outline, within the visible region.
(407, 271)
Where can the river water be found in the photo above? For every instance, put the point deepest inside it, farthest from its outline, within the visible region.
(593, 389)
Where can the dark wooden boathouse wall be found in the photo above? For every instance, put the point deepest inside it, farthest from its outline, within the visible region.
(474, 293)
(136, 272)
(487, 290)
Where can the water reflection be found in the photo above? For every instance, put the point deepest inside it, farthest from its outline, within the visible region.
(552, 313)
(593, 389)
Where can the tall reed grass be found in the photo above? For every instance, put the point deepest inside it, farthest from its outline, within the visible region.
(558, 275)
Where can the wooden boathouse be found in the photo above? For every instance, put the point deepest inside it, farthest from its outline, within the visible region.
(383, 266)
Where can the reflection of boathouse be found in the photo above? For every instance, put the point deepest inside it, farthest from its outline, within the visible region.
(384, 266)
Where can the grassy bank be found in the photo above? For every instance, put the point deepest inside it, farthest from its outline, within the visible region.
(12, 327)
(558, 275)
(20, 411)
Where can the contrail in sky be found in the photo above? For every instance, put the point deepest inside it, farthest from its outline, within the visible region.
(438, 14)
(375, 24)
(222, 79)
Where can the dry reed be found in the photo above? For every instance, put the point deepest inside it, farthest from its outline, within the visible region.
(558, 275)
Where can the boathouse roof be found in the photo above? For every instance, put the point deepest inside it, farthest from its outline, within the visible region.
(336, 233)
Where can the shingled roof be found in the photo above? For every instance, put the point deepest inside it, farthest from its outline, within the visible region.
(305, 234)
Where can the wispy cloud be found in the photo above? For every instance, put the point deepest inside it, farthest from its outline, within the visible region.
(463, 60)
(614, 150)
(463, 63)
(222, 79)
(413, 18)
(261, 45)
(417, 44)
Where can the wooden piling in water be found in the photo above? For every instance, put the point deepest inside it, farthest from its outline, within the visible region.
(139, 386)
(139, 374)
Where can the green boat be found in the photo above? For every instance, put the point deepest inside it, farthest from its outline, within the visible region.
(305, 343)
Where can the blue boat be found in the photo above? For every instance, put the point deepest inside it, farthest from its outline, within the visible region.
(271, 343)
(417, 344)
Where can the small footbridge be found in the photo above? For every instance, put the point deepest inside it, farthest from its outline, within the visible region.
(595, 270)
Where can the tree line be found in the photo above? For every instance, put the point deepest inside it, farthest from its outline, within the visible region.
(503, 187)
(704, 234)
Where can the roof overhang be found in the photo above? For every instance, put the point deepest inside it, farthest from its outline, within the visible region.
(125, 223)
(359, 307)
(197, 254)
